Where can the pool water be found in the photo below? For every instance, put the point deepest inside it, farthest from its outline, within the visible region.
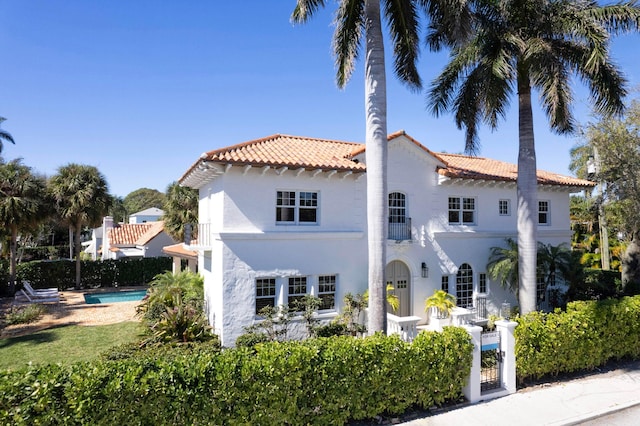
(114, 297)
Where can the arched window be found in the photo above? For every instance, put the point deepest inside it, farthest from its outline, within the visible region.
(464, 286)
(399, 223)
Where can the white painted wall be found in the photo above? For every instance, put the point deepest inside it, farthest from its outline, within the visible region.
(240, 205)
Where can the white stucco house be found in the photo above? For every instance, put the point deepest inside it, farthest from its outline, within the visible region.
(152, 214)
(284, 216)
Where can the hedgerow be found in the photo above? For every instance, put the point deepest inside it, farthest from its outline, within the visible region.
(587, 335)
(316, 381)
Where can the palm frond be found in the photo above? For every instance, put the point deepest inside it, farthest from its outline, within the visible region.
(404, 26)
(349, 23)
(305, 9)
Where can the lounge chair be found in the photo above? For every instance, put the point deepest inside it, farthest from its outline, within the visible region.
(41, 299)
(46, 292)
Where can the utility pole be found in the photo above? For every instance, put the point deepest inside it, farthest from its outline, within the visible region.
(602, 220)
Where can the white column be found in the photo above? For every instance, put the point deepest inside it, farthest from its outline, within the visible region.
(508, 349)
(472, 389)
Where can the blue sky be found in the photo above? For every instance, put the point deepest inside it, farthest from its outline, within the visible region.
(141, 88)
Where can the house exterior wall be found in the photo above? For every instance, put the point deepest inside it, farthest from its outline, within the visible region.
(248, 244)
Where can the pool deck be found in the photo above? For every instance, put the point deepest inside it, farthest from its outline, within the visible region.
(72, 310)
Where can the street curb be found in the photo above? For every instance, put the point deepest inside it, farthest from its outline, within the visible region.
(596, 414)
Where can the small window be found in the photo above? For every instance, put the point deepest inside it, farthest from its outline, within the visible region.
(265, 293)
(445, 283)
(327, 291)
(296, 207)
(297, 289)
(543, 212)
(464, 286)
(482, 283)
(504, 207)
(462, 210)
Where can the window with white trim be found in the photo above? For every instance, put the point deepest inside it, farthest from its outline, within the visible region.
(504, 207)
(482, 283)
(297, 289)
(462, 210)
(327, 291)
(294, 207)
(444, 284)
(464, 286)
(543, 212)
(265, 293)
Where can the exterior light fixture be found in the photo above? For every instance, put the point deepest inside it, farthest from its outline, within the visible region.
(425, 270)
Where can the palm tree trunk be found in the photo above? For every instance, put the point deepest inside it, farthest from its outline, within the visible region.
(13, 255)
(376, 157)
(527, 199)
(76, 249)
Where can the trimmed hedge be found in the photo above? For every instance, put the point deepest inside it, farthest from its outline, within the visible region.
(316, 381)
(105, 273)
(587, 335)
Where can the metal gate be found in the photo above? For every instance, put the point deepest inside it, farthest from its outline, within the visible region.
(491, 361)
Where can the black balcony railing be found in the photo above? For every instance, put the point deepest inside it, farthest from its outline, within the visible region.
(400, 229)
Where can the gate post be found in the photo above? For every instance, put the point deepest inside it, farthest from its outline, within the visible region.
(472, 388)
(508, 349)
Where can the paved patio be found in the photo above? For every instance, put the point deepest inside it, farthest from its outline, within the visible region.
(72, 310)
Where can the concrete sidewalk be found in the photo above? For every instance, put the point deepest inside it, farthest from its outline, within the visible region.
(561, 403)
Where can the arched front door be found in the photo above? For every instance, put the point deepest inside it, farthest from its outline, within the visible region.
(397, 275)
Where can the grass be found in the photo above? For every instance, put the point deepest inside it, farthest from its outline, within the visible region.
(65, 344)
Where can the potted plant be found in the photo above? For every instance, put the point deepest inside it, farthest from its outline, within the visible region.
(439, 304)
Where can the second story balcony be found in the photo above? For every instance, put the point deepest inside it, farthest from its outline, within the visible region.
(400, 229)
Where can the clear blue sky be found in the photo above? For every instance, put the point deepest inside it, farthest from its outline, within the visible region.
(141, 88)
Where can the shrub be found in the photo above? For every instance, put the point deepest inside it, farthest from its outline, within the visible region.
(587, 335)
(24, 314)
(316, 381)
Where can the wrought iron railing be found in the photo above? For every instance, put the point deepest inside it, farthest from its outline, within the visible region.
(400, 231)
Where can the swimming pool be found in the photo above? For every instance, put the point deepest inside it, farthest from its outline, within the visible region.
(114, 297)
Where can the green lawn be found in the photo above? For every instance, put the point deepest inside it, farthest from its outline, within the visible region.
(66, 344)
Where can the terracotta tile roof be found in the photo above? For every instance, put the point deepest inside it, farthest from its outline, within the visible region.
(134, 234)
(479, 168)
(178, 250)
(310, 153)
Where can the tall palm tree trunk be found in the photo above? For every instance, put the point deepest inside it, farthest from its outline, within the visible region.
(376, 152)
(76, 250)
(13, 256)
(527, 200)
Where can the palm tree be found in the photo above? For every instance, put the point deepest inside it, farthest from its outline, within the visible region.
(22, 206)
(523, 45)
(554, 261)
(358, 22)
(503, 265)
(180, 209)
(4, 135)
(81, 198)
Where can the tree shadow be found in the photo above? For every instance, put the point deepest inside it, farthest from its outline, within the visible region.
(43, 336)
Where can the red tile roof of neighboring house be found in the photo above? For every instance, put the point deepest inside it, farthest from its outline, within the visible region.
(178, 250)
(134, 234)
(312, 154)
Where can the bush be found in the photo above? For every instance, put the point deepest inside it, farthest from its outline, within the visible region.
(106, 273)
(596, 284)
(316, 381)
(587, 335)
(24, 314)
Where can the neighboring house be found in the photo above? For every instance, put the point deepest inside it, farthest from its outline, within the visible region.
(285, 216)
(182, 257)
(93, 246)
(133, 239)
(152, 214)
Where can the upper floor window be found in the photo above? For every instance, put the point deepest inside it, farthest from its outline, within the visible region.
(397, 207)
(504, 207)
(543, 212)
(297, 207)
(462, 210)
